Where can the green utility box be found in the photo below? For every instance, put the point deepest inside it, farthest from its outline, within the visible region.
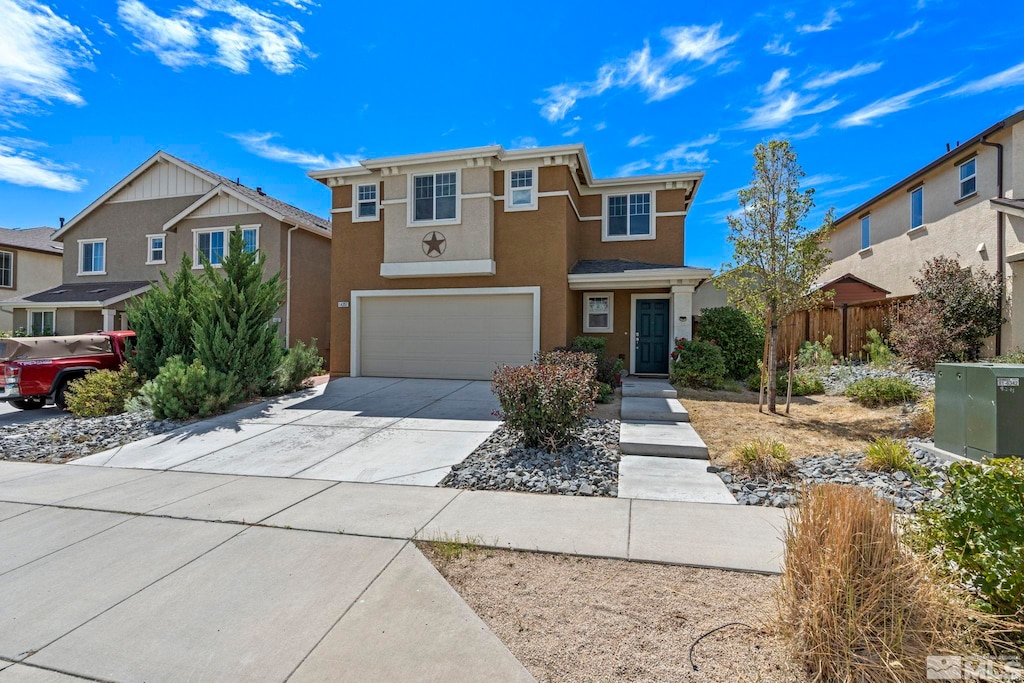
(979, 409)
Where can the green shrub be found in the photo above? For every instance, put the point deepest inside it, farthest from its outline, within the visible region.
(605, 392)
(547, 403)
(299, 364)
(181, 391)
(890, 455)
(103, 392)
(593, 344)
(1013, 357)
(732, 331)
(878, 352)
(804, 383)
(975, 528)
(816, 354)
(766, 458)
(697, 364)
(606, 366)
(875, 392)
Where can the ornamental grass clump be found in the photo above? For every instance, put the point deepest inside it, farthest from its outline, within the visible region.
(890, 455)
(765, 458)
(547, 402)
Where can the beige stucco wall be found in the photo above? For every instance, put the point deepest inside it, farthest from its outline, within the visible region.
(33, 271)
(709, 296)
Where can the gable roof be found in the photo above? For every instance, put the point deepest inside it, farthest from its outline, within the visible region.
(31, 239)
(275, 207)
(850, 276)
(81, 294)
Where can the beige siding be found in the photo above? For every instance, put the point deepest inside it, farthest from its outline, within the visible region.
(162, 180)
(223, 205)
(33, 272)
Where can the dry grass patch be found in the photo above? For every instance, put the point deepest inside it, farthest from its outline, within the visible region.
(815, 425)
(572, 619)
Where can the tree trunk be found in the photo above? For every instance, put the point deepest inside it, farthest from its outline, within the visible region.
(789, 387)
(764, 370)
(773, 351)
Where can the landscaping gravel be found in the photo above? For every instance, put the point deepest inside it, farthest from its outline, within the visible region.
(67, 437)
(905, 492)
(587, 467)
(839, 377)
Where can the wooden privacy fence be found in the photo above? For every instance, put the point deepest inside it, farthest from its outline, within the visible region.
(847, 323)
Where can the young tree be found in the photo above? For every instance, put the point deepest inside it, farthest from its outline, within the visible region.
(234, 335)
(776, 260)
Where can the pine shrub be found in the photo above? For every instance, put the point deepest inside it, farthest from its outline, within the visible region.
(697, 364)
(181, 391)
(735, 333)
(875, 392)
(299, 364)
(103, 392)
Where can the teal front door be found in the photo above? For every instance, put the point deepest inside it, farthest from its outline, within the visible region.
(652, 338)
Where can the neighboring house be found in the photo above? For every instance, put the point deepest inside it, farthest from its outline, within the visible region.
(850, 289)
(445, 264)
(968, 204)
(167, 207)
(29, 261)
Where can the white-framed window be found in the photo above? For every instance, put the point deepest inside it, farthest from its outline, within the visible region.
(213, 243)
(435, 198)
(865, 232)
(364, 201)
(156, 251)
(251, 237)
(597, 312)
(629, 216)
(92, 257)
(7, 269)
(968, 177)
(521, 189)
(917, 208)
(42, 323)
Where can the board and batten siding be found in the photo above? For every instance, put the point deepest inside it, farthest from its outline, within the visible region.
(223, 205)
(162, 180)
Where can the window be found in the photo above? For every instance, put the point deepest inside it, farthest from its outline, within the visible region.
(865, 232)
(365, 202)
(251, 238)
(40, 323)
(92, 257)
(917, 208)
(155, 249)
(597, 312)
(6, 269)
(968, 178)
(434, 197)
(628, 216)
(211, 246)
(520, 190)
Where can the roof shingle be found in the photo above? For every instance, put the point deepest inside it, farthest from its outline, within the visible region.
(36, 239)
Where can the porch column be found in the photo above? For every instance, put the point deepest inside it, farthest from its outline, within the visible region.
(108, 319)
(682, 311)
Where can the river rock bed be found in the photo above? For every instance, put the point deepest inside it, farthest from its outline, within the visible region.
(904, 491)
(64, 438)
(587, 467)
(842, 375)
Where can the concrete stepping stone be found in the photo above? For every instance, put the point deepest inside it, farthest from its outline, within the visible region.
(664, 439)
(639, 387)
(635, 409)
(680, 479)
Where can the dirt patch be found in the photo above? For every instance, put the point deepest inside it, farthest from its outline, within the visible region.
(608, 411)
(816, 425)
(573, 619)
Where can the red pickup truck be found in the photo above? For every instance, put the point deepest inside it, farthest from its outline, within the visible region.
(37, 370)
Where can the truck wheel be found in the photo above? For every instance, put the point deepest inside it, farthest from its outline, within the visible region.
(28, 403)
(60, 396)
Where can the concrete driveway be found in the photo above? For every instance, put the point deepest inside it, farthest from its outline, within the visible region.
(366, 429)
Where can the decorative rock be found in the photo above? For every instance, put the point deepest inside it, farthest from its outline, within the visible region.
(839, 377)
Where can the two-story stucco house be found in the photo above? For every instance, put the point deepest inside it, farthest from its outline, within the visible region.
(118, 245)
(968, 204)
(448, 263)
(29, 261)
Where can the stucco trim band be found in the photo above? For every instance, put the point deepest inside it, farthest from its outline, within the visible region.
(438, 268)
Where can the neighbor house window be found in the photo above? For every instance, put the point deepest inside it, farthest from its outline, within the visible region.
(917, 208)
(366, 202)
(7, 269)
(434, 196)
(40, 323)
(251, 238)
(155, 249)
(865, 232)
(213, 243)
(597, 312)
(92, 257)
(968, 178)
(628, 216)
(520, 192)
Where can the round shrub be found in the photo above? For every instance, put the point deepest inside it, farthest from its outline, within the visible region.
(740, 340)
(181, 391)
(875, 392)
(697, 364)
(299, 364)
(103, 392)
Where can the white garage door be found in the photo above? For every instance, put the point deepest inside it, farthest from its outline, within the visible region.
(453, 336)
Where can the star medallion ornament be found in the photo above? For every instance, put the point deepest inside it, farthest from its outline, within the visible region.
(434, 244)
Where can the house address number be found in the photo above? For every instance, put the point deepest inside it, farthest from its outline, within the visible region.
(342, 304)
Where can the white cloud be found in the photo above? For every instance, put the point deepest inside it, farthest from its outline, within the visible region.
(302, 5)
(699, 43)
(777, 80)
(38, 51)
(783, 107)
(638, 140)
(806, 133)
(851, 187)
(830, 19)
(1007, 78)
(523, 142)
(225, 32)
(907, 32)
(687, 155)
(890, 105)
(830, 78)
(571, 131)
(261, 145)
(20, 166)
(632, 168)
(601, 125)
(727, 196)
(775, 46)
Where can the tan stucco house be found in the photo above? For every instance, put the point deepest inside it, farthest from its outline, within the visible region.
(448, 263)
(29, 261)
(167, 207)
(967, 204)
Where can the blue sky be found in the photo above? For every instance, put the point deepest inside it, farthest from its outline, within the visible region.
(267, 89)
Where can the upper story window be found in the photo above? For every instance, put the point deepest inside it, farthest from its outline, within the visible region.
(520, 190)
(628, 216)
(155, 250)
(7, 269)
(917, 208)
(435, 197)
(251, 237)
(865, 232)
(365, 202)
(968, 178)
(212, 243)
(92, 257)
